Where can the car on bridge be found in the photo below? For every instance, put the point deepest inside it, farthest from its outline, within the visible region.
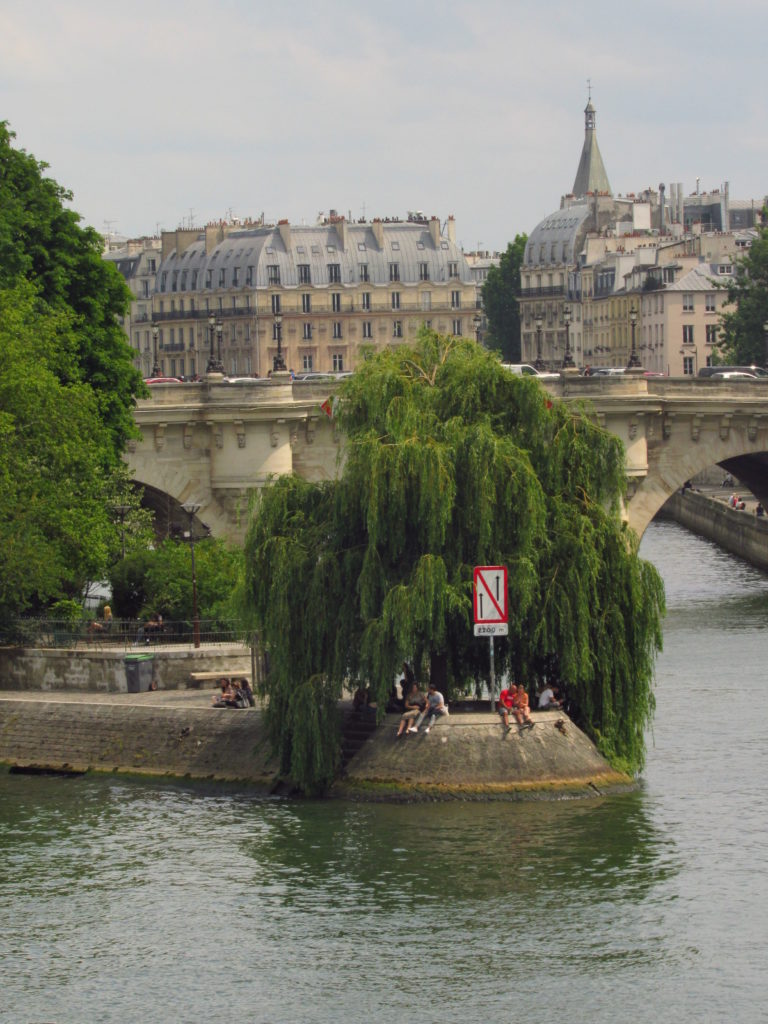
(526, 370)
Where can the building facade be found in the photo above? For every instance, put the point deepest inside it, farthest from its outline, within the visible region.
(138, 261)
(323, 294)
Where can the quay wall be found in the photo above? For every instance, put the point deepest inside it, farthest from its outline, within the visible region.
(741, 533)
(103, 670)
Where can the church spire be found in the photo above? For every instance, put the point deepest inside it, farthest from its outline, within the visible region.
(591, 175)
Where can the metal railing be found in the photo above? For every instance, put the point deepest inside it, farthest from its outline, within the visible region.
(122, 634)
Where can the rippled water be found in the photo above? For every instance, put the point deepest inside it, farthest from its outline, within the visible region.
(128, 901)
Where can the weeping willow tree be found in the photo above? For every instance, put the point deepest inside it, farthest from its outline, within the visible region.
(452, 462)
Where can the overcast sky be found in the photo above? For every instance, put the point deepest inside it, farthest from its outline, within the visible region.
(152, 113)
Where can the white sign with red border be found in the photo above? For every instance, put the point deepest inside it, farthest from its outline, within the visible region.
(490, 600)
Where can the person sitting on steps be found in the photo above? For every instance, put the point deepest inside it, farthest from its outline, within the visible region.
(434, 709)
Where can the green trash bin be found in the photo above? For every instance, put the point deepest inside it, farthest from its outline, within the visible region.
(138, 673)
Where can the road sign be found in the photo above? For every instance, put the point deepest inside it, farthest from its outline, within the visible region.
(490, 600)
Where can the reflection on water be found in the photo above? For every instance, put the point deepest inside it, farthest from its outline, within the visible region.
(124, 900)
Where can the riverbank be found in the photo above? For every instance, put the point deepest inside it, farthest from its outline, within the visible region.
(178, 734)
(705, 512)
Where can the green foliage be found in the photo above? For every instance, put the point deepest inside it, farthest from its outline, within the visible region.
(451, 462)
(501, 294)
(742, 342)
(42, 242)
(160, 580)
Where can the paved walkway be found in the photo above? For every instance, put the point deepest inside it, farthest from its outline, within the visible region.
(158, 698)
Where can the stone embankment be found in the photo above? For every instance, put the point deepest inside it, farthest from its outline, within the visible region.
(707, 514)
(177, 733)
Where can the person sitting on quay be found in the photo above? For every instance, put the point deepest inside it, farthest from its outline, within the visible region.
(231, 695)
(759, 509)
(506, 703)
(106, 623)
(414, 704)
(153, 626)
(521, 710)
(246, 689)
(435, 708)
(549, 698)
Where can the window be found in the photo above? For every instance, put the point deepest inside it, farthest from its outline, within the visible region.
(306, 361)
(222, 277)
(304, 274)
(361, 247)
(394, 271)
(456, 328)
(687, 302)
(455, 300)
(163, 278)
(307, 332)
(687, 334)
(306, 303)
(711, 334)
(397, 328)
(275, 303)
(337, 329)
(453, 270)
(364, 272)
(248, 277)
(235, 278)
(426, 301)
(152, 266)
(367, 330)
(183, 280)
(173, 337)
(336, 302)
(709, 302)
(331, 248)
(396, 246)
(338, 362)
(395, 300)
(334, 273)
(668, 275)
(208, 278)
(423, 271)
(273, 274)
(688, 366)
(365, 300)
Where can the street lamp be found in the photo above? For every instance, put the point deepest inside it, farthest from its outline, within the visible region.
(121, 511)
(634, 359)
(476, 323)
(538, 320)
(568, 362)
(155, 364)
(214, 327)
(278, 363)
(192, 508)
(765, 340)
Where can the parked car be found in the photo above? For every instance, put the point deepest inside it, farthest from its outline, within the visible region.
(733, 375)
(753, 371)
(526, 370)
(163, 380)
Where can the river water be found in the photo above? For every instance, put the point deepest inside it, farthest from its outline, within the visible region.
(125, 901)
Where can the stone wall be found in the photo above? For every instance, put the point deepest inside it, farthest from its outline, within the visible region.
(194, 742)
(741, 533)
(103, 671)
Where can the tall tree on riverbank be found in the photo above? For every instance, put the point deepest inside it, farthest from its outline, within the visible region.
(43, 243)
(743, 337)
(451, 462)
(501, 301)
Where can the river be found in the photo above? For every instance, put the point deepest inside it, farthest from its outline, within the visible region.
(125, 901)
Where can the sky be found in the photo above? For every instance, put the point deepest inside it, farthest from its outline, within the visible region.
(165, 114)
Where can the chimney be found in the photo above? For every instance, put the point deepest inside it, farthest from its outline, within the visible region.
(378, 232)
(284, 228)
(342, 231)
(434, 231)
(450, 228)
(661, 208)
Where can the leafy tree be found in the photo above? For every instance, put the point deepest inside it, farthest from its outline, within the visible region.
(42, 241)
(501, 295)
(451, 462)
(56, 530)
(743, 339)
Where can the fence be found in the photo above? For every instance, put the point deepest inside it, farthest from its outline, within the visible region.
(121, 633)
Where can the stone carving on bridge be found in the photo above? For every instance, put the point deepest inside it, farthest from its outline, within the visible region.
(240, 431)
(666, 425)
(696, 425)
(160, 436)
(188, 430)
(725, 426)
(752, 427)
(311, 427)
(632, 429)
(274, 432)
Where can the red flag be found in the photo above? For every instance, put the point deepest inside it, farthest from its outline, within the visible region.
(327, 408)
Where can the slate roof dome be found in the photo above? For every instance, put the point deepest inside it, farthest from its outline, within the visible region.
(559, 237)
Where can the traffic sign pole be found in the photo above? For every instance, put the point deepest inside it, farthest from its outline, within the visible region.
(490, 607)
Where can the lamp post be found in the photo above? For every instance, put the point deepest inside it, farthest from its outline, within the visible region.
(476, 322)
(121, 511)
(214, 327)
(765, 341)
(634, 360)
(155, 364)
(538, 320)
(278, 363)
(192, 508)
(568, 362)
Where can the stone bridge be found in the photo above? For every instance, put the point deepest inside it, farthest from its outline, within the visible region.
(214, 442)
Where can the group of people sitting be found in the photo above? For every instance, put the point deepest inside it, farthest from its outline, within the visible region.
(737, 502)
(233, 693)
(417, 706)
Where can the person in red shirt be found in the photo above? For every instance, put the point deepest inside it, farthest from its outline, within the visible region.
(520, 708)
(506, 704)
